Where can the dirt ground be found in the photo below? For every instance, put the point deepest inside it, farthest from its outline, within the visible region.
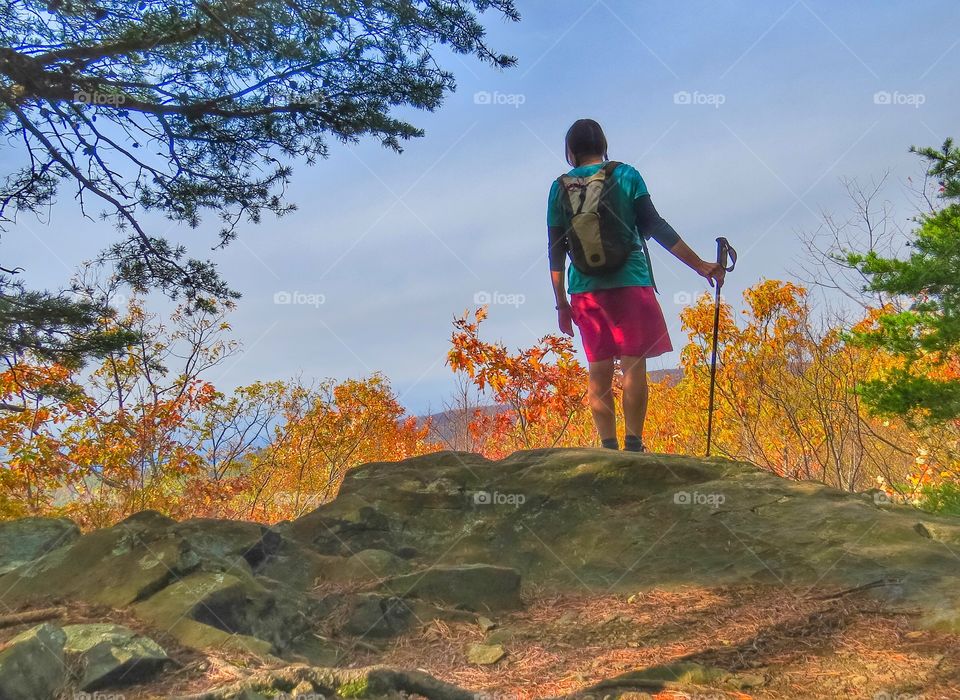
(799, 644)
(782, 644)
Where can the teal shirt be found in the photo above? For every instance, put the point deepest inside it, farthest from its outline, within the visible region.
(636, 270)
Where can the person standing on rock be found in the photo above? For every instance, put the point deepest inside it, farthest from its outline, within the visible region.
(600, 215)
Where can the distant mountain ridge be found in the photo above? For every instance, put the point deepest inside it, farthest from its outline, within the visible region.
(449, 426)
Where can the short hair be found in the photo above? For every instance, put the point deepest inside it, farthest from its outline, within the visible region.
(585, 138)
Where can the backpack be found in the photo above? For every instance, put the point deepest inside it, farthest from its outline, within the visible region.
(597, 240)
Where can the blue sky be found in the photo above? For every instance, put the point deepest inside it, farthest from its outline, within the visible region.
(741, 116)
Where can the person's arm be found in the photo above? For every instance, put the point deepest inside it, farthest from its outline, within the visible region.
(714, 272)
(557, 254)
(652, 225)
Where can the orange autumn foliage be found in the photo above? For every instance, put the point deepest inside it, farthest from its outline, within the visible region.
(127, 436)
(786, 396)
(137, 434)
(541, 389)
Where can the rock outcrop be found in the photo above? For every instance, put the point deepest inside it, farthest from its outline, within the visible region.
(33, 666)
(111, 655)
(453, 536)
(22, 541)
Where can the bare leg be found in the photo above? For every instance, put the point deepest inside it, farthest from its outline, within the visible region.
(600, 397)
(634, 393)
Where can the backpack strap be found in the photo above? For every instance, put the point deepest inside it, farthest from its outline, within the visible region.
(562, 192)
(568, 183)
(609, 167)
(646, 253)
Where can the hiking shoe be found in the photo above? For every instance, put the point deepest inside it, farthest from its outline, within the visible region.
(632, 443)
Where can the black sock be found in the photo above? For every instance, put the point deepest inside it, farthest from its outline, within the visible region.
(610, 443)
(633, 443)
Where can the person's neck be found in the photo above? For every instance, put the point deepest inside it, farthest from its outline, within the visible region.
(593, 160)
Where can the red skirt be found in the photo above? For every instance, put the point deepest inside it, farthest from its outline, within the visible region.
(620, 321)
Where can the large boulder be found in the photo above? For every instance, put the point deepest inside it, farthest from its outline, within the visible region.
(108, 655)
(197, 578)
(22, 541)
(624, 522)
(475, 587)
(277, 622)
(368, 564)
(228, 544)
(303, 569)
(378, 616)
(32, 665)
(353, 526)
(115, 566)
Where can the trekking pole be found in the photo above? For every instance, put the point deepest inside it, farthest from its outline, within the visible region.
(724, 252)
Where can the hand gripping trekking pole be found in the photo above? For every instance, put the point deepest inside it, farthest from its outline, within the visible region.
(725, 253)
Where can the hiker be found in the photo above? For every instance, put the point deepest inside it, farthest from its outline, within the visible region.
(600, 214)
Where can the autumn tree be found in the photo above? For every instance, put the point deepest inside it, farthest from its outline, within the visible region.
(538, 392)
(181, 108)
(786, 396)
(869, 224)
(34, 460)
(786, 392)
(926, 336)
(325, 431)
(147, 429)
